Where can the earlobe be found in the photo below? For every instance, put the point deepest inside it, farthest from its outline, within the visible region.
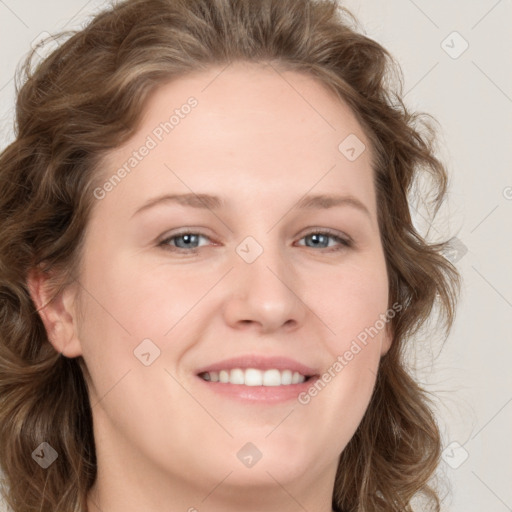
(386, 345)
(57, 313)
(387, 340)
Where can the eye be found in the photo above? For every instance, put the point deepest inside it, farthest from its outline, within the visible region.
(321, 239)
(186, 241)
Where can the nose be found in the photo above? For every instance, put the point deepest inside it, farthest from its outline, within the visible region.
(265, 295)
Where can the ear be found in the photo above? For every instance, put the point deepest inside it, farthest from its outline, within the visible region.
(58, 315)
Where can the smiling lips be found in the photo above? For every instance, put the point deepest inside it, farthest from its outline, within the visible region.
(254, 370)
(255, 377)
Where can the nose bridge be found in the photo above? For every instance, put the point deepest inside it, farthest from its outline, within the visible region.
(262, 263)
(264, 286)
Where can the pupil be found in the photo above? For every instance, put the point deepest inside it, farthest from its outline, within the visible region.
(316, 238)
(187, 238)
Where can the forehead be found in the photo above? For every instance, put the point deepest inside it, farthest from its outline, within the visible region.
(244, 127)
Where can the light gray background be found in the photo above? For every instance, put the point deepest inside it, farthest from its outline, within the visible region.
(471, 97)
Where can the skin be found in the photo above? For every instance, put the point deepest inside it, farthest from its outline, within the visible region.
(260, 139)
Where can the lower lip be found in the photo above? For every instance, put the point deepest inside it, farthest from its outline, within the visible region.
(259, 394)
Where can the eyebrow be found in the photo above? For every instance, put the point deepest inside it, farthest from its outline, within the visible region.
(207, 201)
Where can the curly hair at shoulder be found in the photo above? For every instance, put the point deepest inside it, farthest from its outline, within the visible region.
(65, 124)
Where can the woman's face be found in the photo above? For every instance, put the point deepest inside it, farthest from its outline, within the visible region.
(178, 291)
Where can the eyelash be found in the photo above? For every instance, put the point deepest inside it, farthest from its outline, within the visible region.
(345, 242)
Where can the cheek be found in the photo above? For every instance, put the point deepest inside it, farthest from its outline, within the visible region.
(352, 302)
(124, 304)
(138, 298)
(353, 308)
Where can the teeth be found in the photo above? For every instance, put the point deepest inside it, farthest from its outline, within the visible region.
(254, 377)
(236, 376)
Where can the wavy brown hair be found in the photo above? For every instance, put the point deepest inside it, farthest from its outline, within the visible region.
(85, 99)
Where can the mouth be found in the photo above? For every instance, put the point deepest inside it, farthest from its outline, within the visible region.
(257, 379)
(272, 377)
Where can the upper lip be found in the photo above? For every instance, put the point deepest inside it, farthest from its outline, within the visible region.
(260, 363)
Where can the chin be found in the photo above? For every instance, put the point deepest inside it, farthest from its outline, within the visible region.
(283, 457)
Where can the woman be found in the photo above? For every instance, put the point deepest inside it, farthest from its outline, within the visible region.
(209, 270)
